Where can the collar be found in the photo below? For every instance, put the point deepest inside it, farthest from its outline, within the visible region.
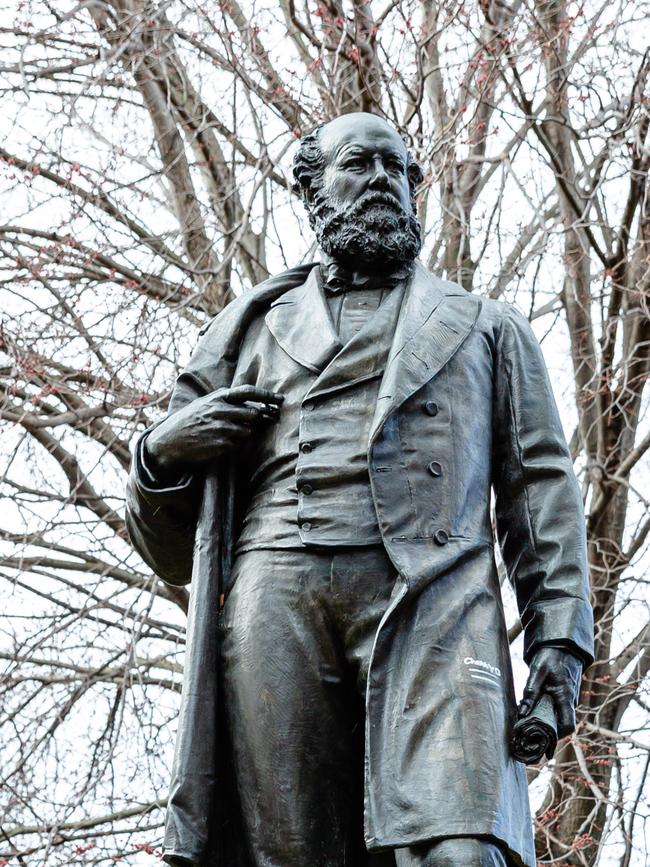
(336, 278)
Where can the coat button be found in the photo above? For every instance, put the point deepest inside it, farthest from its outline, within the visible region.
(435, 468)
(305, 526)
(441, 537)
(308, 405)
(306, 447)
(431, 407)
(306, 489)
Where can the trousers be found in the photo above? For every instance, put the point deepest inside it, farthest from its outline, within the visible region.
(297, 631)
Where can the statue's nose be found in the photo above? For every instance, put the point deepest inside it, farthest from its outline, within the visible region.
(379, 179)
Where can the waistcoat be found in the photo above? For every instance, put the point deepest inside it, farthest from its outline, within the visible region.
(309, 484)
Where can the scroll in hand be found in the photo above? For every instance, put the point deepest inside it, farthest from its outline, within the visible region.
(535, 735)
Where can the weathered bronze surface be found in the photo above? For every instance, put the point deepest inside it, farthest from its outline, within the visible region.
(323, 478)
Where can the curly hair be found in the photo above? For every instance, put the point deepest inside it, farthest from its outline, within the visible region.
(309, 168)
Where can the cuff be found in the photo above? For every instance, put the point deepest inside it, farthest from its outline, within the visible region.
(153, 488)
(566, 622)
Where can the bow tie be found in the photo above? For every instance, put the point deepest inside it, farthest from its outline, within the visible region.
(336, 278)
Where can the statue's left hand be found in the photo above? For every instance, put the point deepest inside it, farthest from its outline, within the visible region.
(557, 673)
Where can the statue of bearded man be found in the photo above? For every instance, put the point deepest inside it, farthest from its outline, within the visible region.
(324, 478)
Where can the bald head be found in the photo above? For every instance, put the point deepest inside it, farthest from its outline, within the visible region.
(319, 148)
(360, 127)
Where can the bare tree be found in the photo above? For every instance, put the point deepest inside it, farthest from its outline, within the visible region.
(144, 168)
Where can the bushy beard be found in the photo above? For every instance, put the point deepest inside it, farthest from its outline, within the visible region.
(373, 233)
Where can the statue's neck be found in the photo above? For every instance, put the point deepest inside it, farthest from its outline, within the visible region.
(363, 269)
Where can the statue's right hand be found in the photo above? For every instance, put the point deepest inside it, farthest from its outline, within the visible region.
(209, 426)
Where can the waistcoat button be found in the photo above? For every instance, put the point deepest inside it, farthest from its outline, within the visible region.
(441, 537)
(306, 526)
(306, 489)
(306, 447)
(435, 468)
(431, 407)
(308, 405)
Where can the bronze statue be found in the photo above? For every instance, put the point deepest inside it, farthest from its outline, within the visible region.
(325, 469)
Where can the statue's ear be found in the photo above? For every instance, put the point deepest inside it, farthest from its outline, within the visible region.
(304, 192)
(307, 195)
(414, 173)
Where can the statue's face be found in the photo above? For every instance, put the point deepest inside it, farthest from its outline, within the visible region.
(361, 213)
(362, 154)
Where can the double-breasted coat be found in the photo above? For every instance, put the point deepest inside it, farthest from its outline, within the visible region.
(464, 411)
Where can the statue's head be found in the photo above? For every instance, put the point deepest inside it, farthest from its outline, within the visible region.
(357, 180)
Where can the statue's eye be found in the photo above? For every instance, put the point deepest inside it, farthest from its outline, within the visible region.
(354, 163)
(395, 166)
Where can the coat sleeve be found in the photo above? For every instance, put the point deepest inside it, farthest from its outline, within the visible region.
(161, 516)
(539, 512)
(161, 513)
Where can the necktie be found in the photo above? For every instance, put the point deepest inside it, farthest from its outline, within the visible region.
(337, 278)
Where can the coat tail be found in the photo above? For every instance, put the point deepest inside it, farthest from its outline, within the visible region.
(191, 809)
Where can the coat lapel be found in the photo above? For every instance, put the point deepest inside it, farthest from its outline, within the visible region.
(364, 356)
(301, 324)
(436, 318)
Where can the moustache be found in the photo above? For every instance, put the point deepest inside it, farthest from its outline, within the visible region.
(383, 199)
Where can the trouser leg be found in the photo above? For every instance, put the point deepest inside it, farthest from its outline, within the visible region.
(296, 637)
(453, 852)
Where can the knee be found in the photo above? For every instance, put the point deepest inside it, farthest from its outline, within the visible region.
(462, 852)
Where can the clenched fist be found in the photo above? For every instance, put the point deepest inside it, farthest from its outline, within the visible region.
(209, 426)
(556, 672)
